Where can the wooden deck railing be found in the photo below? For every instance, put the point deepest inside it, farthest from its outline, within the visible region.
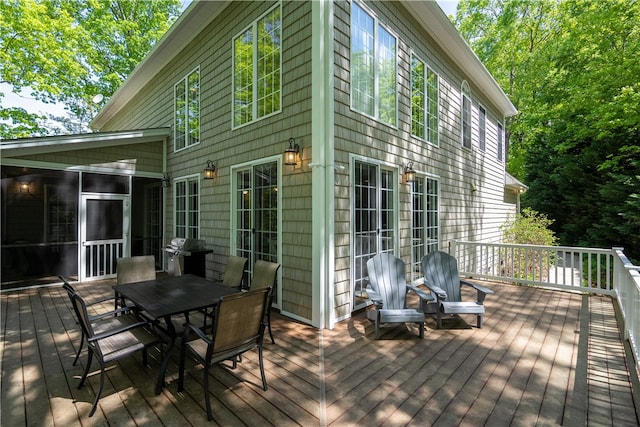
(602, 271)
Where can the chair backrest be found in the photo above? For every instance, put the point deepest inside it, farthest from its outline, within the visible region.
(264, 274)
(234, 271)
(441, 269)
(67, 287)
(136, 269)
(387, 277)
(238, 323)
(80, 308)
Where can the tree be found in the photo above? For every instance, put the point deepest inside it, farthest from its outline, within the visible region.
(571, 69)
(69, 51)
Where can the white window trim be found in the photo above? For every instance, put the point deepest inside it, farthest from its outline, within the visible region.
(185, 80)
(187, 179)
(481, 108)
(465, 92)
(427, 68)
(376, 87)
(254, 25)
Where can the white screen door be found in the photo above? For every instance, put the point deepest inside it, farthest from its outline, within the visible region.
(104, 234)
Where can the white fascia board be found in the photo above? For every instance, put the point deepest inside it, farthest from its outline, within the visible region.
(53, 144)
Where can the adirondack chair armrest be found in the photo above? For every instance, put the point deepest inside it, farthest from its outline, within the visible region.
(482, 291)
(440, 294)
(374, 297)
(425, 297)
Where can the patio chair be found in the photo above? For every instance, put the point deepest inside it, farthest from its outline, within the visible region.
(233, 278)
(238, 327)
(441, 278)
(134, 269)
(101, 319)
(388, 289)
(264, 275)
(109, 345)
(234, 272)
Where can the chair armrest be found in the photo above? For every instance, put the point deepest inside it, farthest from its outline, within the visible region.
(98, 301)
(438, 291)
(188, 328)
(117, 331)
(121, 310)
(422, 294)
(482, 291)
(374, 296)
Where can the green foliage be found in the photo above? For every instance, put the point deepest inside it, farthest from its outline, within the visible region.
(68, 51)
(571, 69)
(529, 228)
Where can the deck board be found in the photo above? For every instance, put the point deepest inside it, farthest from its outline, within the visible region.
(521, 368)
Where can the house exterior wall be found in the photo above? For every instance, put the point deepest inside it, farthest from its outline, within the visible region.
(465, 214)
(211, 51)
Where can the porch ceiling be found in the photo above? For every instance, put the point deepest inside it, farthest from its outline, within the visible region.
(53, 144)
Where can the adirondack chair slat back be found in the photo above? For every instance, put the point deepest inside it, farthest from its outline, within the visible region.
(441, 269)
(387, 277)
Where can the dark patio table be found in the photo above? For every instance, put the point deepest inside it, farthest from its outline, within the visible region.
(171, 295)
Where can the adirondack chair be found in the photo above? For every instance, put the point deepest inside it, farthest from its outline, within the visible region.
(441, 278)
(388, 289)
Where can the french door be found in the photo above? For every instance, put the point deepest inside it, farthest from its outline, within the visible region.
(256, 210)
(104, 234)
(374, 222)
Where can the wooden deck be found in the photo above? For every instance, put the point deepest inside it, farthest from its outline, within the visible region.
(543, 358)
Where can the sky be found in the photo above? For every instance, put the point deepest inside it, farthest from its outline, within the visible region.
(32, 106)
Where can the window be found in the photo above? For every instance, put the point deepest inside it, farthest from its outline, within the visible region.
(373, 67)
(257, 62)
(424, 101)
(425, 221)
(187, 207)
(375, 222)
(482, 128)
(187, 111)
(500, 142)
(466, 116)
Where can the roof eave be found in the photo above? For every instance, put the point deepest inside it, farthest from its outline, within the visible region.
(61, 143)
(439, 27)
(195, 18)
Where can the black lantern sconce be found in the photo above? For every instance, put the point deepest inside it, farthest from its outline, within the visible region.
(409, 173)
(166, 180)
(291, 153)
(210, 171)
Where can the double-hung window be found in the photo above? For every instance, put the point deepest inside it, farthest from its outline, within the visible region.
(186, 123)
(424, 101)
(482, 128)
(373, 67)
(466, 116)
(257, 64)
(500, 142)
(187, 205)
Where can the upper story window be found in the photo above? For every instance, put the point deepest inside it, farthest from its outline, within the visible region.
(466, 115)
(187, 111)
(257, 62)
(373, 67)
(482, 128)
(187, 205)
(424, 101)
(500, 142)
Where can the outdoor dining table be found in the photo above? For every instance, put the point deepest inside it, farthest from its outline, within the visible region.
(168, 296)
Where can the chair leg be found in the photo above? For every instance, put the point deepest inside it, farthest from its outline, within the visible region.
(145, 359)
(264, 378)
(206, 391)
(421, 328)
(95, 402)
(439, 319)
(86, 369)
(269, 326)
(79, 348)
(479, 321)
